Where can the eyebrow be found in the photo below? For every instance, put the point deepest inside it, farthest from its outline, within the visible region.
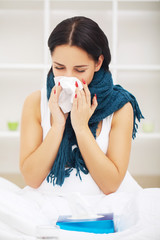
(58, 64)
(79, 66)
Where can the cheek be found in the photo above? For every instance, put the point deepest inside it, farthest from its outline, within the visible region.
(89, 78)
(56, 72)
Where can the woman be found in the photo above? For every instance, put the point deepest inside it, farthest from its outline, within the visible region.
(84, 150)
(79, 48)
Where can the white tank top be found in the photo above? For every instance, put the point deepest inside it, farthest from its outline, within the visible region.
(73, 183)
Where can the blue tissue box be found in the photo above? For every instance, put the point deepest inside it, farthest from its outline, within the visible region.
(102, 224)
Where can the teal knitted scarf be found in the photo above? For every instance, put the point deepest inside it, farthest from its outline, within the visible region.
(110, 98)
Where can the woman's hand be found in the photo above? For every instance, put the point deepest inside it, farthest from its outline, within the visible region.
(82, 109)
(58, 117)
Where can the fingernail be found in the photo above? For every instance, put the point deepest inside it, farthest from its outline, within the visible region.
(76, 95)
(83, 81)
(54, 91)
(95, 96)
(59, 84)
(76, 84)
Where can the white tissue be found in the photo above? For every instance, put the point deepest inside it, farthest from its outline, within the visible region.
(80, 207)
(68, 91)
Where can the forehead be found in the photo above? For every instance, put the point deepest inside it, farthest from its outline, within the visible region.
(72, 55)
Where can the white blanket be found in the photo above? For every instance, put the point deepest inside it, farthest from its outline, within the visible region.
(137, 213)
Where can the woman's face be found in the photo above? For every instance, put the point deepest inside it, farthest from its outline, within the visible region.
(72, 61)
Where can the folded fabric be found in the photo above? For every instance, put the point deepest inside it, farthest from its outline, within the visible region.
(68, 91)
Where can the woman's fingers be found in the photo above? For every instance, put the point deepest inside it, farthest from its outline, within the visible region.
(83, 98)
(75, 102)
(87, 92)
(53, 96)
(79, 98)
(56, 90)
(82, 110)
(59, 89)
(94, 103)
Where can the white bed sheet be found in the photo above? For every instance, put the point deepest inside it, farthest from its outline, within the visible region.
(137, 214)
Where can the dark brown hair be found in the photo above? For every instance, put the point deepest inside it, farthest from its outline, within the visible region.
(84, 33)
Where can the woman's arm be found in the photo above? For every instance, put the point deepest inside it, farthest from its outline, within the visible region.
(37, 156)
(107, 170)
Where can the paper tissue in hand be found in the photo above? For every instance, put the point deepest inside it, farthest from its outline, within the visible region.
(84, 219)
(68, 91)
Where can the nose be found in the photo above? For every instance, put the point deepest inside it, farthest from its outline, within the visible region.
(69, 72)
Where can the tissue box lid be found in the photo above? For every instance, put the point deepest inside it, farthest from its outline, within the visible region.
(102, 224)
(100, 216)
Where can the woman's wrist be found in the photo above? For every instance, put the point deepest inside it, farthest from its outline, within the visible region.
(58, 128)
(81, 131)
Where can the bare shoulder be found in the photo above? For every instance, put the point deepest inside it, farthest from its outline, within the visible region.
(32, 105)
(124, 115)
(33, 97)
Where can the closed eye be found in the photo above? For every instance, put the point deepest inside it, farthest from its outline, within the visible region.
(59, 68)
(80, 71)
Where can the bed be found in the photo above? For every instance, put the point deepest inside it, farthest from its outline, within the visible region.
(136, 213)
